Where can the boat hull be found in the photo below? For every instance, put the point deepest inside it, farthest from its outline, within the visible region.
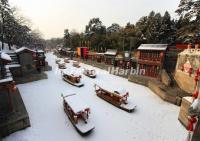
(91, 76)
(74, 84)
(129, 107)
(62, 68)
(82, 127)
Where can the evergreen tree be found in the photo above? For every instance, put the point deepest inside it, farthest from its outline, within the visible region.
(189, 10)
(167, 29)
(95, 26)
(4, 8)
(66, 38)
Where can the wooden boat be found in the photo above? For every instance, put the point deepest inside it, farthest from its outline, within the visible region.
(118, 98)
(61, 65)
(76, 64)
(90, 73)
(72, 79)
(66, 60)
(58, 60)
(78, 113)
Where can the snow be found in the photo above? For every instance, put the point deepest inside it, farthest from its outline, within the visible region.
(9, 79)
(71, 72)
(153, 120)
(61, 62)
(22, 49)
(76, 103)
(121, 91)
(13, 66)
(5, 56)
(196, 105)
(39, 51)
(118, 90)
(188, 98)
(6, 48)
(161, 47)
(111, 52)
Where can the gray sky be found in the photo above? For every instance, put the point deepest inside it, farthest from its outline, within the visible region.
(51, 17)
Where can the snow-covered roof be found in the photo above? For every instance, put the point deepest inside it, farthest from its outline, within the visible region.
(158, 47)
(40, 51)
(13, 66)
(61, 62)
(76, 62)
(24, 49)
(76, 103)
(9, 79)
(71, 72)
(100, 54)
(5, 56)
(112, 52)
(89, 69)
(121, 91)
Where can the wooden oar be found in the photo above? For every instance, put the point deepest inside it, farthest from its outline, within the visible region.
(67, 95)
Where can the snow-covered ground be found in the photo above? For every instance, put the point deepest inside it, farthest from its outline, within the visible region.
(153, 120)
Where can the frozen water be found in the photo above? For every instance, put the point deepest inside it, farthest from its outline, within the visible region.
(153, 120)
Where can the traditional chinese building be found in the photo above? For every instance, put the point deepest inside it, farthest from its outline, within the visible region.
(40, 59)
(100, 57)
(6, 86)
(26, 59)
(110, 55)
(150, 57)
(13, 114)
(70, 53)
(92, 55)
(123, 60)
(4, 59)
(82, 52)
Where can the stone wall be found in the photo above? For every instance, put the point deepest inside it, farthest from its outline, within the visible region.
(165, 78)
(167, 93)
(141, 80)
(184, 81)
(16, 120)
(183, 114)
(161, 91)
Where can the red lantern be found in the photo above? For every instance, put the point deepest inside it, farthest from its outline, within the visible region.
(198, 71)
(196, 78)
(192, 121)
(195, 94)
(190, 71)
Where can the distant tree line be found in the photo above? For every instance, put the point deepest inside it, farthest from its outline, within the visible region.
(154, 28)
(14, 29)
